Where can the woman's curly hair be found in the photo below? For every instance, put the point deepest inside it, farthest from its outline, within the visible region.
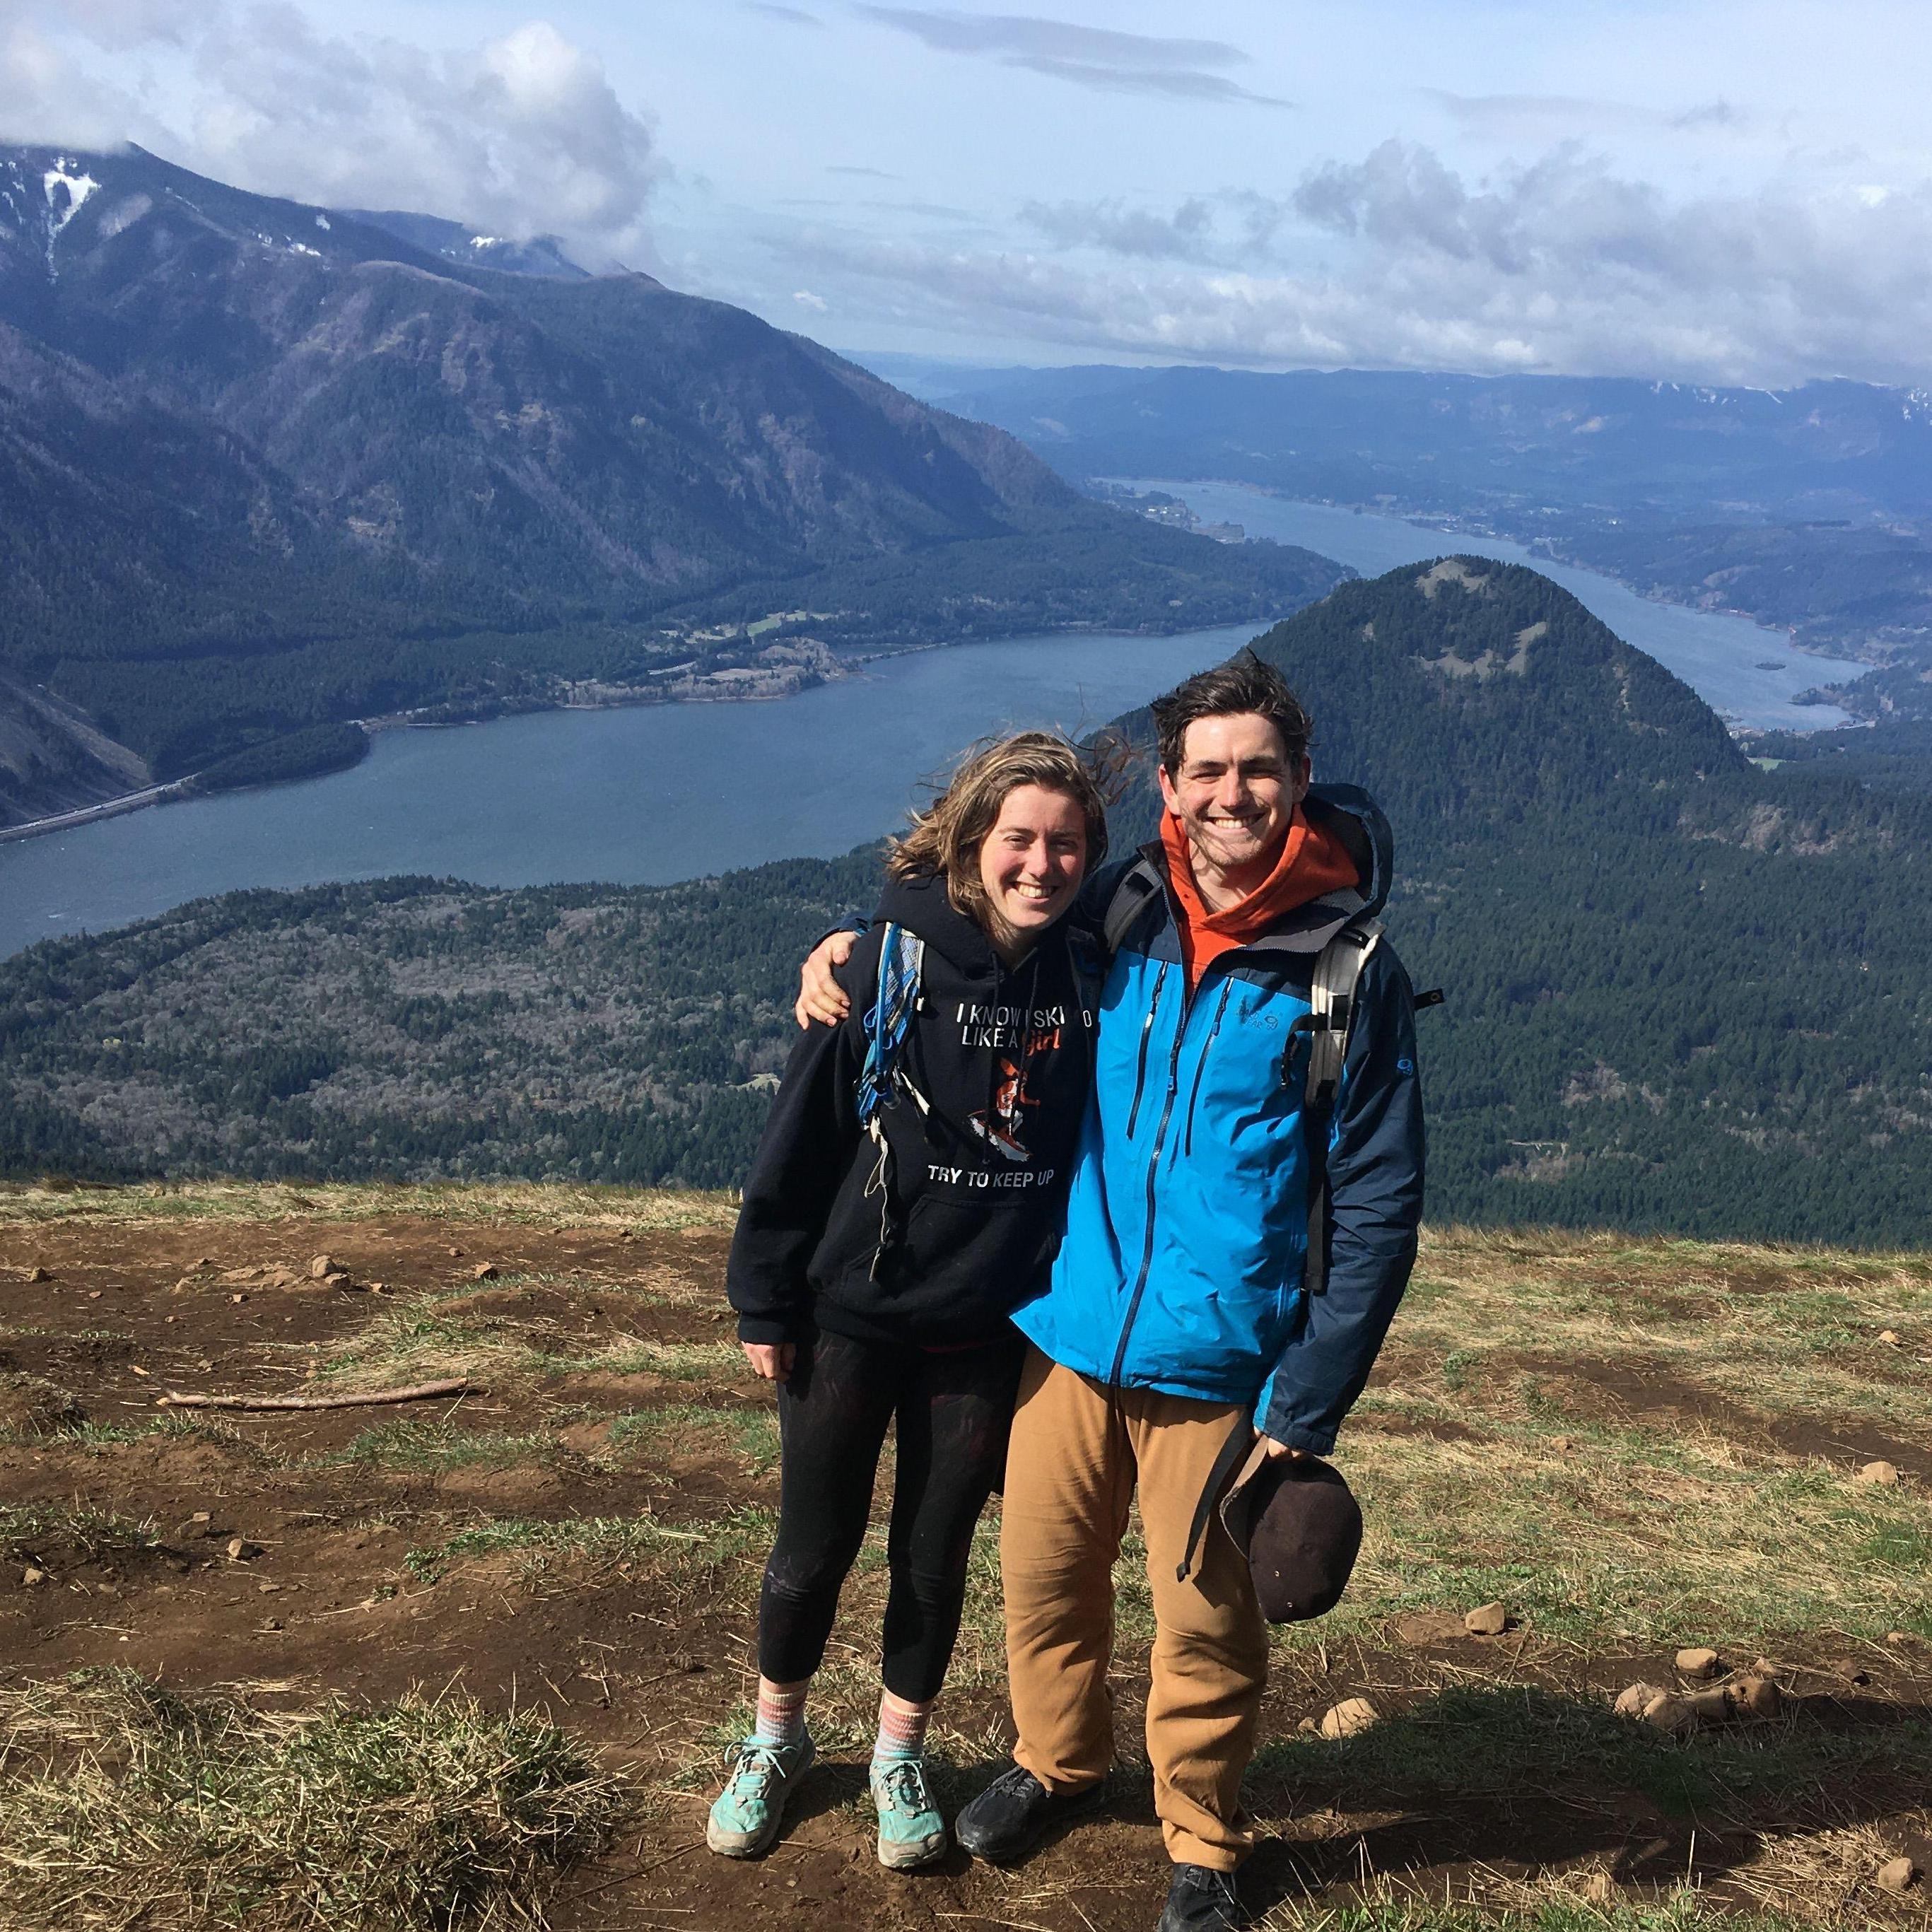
(946, 837)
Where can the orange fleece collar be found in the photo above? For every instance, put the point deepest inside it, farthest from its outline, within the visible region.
(1313, 862)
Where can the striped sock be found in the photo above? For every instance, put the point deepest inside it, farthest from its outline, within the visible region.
(780, 1713)
(901, 1729)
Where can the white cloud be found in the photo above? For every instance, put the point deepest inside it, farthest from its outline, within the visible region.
(1397, 260)
(519, 135)
(806, 299)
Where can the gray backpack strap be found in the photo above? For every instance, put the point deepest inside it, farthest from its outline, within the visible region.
(1331, 999)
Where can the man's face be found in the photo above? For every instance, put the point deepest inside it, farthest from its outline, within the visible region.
(1235, 794)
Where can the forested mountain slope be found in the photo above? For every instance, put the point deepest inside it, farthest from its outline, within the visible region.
(267, 465)
(1683, 994)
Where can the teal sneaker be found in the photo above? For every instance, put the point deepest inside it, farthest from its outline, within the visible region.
(911, 1831)
(745, 1816)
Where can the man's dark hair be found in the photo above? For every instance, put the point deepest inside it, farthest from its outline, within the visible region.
(1244, 683)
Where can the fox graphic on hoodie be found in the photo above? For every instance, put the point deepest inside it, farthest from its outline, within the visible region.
(930, 1234)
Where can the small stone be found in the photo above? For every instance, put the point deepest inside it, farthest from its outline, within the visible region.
(181, 1287)
(1700, 1662)
(339, 1278)
(1898, 1636)
(1429, 1627)
(1891, 1338)
(202, 1262)
(1755, 1697)
(32, 1577)
(456, 1254)
(1713, 1706)
(484, 1271)
(1885, 1474)
(271, 1624)
(1349, 1718)
(1635, 1699)
(267, 1589)
(321, 1267)
(378, 1287)
(1487, 1620)
(38, 1274)
(238, 1298)
(241, 1550)
(93, 1294)
(1308, 1728)
(1899, 1875)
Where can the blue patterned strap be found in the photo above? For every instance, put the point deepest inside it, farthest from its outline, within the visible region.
(901, 957)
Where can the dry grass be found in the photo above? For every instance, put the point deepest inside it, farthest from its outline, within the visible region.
(420, 1335)
(1624, 1440)
(516, 1202)
(121, 1803)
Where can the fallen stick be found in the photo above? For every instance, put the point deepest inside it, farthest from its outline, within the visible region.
(365, 1399)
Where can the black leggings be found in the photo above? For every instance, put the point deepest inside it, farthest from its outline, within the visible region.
(953, 1410)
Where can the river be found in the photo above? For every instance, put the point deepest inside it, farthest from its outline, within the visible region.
(1747, 674)
(640, 797)
(647, 796)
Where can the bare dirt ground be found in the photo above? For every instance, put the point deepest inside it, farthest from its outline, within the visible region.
(1634, 1447)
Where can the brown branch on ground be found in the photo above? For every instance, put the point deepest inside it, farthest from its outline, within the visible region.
(360, 1399)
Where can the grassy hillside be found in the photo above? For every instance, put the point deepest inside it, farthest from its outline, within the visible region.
(1634, 1446)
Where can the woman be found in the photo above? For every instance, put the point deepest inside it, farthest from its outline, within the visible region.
(909, 1182)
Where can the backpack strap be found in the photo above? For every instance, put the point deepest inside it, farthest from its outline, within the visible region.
(888, 1021)
(1139, 883)
(1331, 999)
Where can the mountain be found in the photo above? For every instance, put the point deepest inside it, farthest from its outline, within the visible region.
(1809, 509)
(1470, 444)
(268, 465)
(539, 255)
(1683, 994)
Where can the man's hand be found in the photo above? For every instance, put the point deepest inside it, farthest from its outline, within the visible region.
(1277, 1450)
(819, 996)
(772, 1361)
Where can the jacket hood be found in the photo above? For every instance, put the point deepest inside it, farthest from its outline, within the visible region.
(1348, 813)
(921, 906)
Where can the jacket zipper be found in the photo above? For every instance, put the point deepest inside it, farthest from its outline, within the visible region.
(1154, 1168)
(1147, 1028)
(1194, 1092)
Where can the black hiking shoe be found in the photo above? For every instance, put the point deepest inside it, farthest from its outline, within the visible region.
(1015, 1811)
(1199, 1899)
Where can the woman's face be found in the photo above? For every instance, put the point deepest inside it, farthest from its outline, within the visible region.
(1031, 862)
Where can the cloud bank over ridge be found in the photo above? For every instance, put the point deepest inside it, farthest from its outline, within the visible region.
(517, 135)
(1399, 260)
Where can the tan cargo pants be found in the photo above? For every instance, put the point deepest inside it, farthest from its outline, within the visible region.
(1071, 1473)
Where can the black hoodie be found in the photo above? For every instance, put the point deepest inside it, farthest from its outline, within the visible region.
(933, 1238)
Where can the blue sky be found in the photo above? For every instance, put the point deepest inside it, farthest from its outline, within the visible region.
(1711, 190)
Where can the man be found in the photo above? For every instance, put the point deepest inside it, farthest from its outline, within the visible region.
(1176, 1313)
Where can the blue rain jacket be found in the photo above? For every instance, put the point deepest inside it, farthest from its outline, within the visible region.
(1181, 1268)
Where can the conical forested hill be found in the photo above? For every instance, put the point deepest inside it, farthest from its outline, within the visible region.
(1683, 994)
